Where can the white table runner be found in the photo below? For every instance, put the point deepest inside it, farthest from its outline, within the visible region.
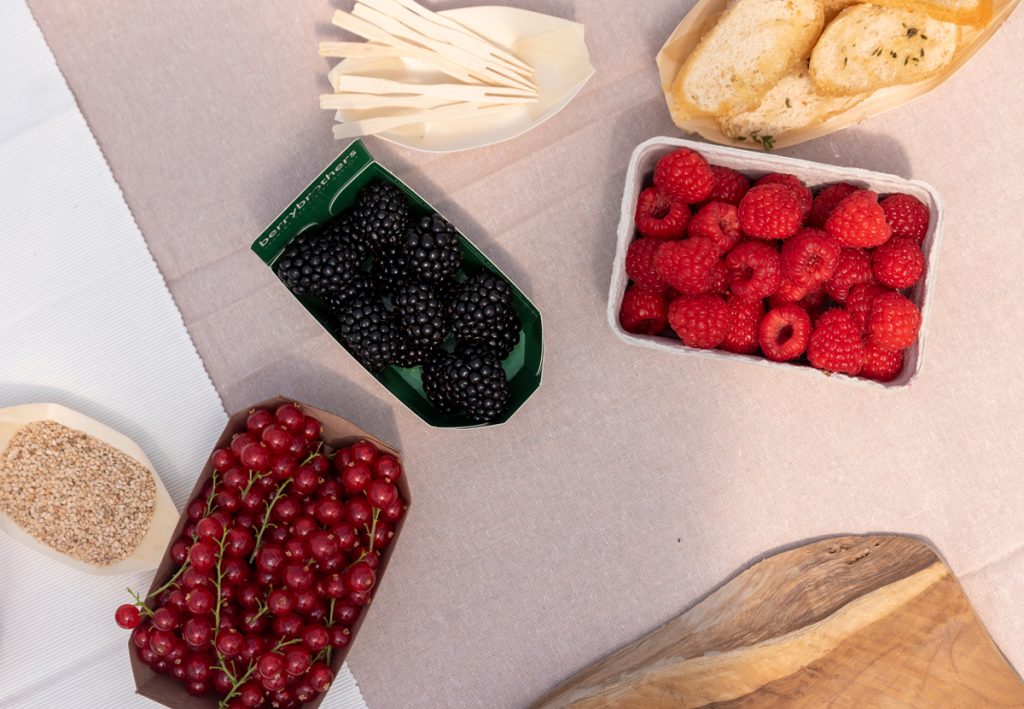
(86, 321)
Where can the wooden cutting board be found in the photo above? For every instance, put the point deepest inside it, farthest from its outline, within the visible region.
(873, 621)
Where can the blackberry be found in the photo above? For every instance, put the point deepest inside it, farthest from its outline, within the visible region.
(432, 250)
(411, 354)
(481, 313)
(345, 231)
(313, 264)
(436, 384)
(478, 383)
(420, 314)
(381, 213)
(389, 272)
(366, 328)
(359, 285)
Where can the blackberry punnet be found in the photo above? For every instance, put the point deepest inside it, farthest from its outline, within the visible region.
(419, 312)
(381, 213)
(368, 330)
(432, 250)
(481, 313)
(314, 264)
(478, 383)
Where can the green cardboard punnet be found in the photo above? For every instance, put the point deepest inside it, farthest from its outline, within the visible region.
(333, 192)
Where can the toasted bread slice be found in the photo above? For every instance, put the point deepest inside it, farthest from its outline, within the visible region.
(868, 47)
(792, 103)
(961, 12)
(751, 47)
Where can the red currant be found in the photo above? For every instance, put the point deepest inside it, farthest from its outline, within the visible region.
(197, 631)
(287, 509)
(290, 416)
(381, 493)
(360, 577)
(296, 661)
(238, 542)
(165, 618)
(274, 683)
(345, 613)
(387, 468)
(270, 664)
(311, 429)
(227, 500)
(342, 458)
(296, 550)
(306, 601)
(230, 642)
(258, 420)
(223, 459)
(276, 439)
(356, 477)
(315, 638)
(303, 691)
(199, 601)
(240, 442)
(269, 559)
(332, 586)
(196, 510)
(140, 636)
(321, 464)
(365, 451)
(305, 481)
(193, 578)
(394, 511)
(340, 636)
(288, 625)
(127, 616)
(330, 488)
(360, 598)
(323, 545)
(345, 533)
(256, 457)
(282, 467)
(210, 528)
(280, 601)
(298, 447)
(221, 682)
(235, 572)
(197, 667)
(179, 551)
(251, 694)
(320, 677)
(382, 535)
(329, 511)
(253, 621)
(203, 555)
(197, 689)
(304, 526)
(359, 511)
(298, 578)
(161, 642)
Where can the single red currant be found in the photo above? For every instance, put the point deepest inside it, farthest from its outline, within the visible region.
(387, 468)
(365, 451)
(197, 631)
(296, 661)
(258, 420)
(320, 677)
(315, 638)
(280, 601)
(381, 493)
(199, 601)
(203, 555)
(127, 616)
(165, 618)
(359, 511)
(290, 417)
(223, 459)
(340, 636)
(230, 642)
(356, 477)
(241, 442)
(311, 429)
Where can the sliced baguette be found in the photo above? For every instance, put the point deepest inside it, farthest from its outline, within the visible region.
(792, 103)
(961, 12)
(834, 7)
(868, 47)
(751, 47)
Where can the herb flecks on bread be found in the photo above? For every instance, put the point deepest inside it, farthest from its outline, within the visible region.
(868, 47)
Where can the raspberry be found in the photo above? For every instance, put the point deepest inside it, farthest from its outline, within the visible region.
(898, 263)
(755, 270)
(827, 200)
(784, 332)
(907, 216)
(730, 186)
(718, 278)
(640, 264)
(659, 216)
(881, 364)
(684, 175)
(787, 292)
(643, 312)
(816, 303)
(744, 318)
(893, 322)
(719, 222)
(685, 265)
(836, 344)
(701, 321)
(858, 303)
(854, 267)
(810, 257)
(858, 221)
(770, 212)
(798, 188)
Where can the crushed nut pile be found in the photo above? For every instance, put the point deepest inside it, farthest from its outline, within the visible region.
(75, 493)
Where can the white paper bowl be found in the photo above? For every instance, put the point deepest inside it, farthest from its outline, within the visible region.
(752, 164)
(554, 47)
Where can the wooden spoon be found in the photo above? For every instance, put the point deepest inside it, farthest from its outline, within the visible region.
(149, 553)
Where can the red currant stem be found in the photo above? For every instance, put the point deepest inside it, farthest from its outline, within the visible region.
(173, 580)
(314, 454)
(143, 608)
(236, 683)
(373, 528)
(253, 477)
(263, 607)
(266, 518)
(220, 579)
(213, 493)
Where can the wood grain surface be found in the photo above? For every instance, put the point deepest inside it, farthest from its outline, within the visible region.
(874, 621)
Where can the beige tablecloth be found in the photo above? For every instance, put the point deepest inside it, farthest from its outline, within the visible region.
(633, 482)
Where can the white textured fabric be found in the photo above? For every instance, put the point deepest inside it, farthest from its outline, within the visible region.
(87, 322)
